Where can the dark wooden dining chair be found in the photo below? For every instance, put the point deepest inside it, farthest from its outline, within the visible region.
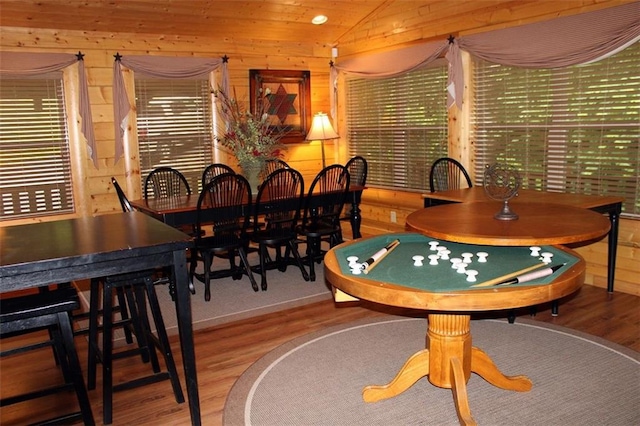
(447, 173)
(322, 208)
(165, 182)
(271, 166)
(278, 207)
(124, 201)
(213, 170)
(357, 167)
(223, 213)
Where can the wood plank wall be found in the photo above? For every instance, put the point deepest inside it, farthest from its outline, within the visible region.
(96, 195)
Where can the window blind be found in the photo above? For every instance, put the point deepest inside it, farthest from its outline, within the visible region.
(35, 167)
(174, 126)
(574, 129)
(399, 125)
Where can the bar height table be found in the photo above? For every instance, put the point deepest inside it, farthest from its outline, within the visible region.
(40, 254)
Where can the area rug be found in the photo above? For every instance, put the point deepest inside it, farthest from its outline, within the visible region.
(233, 300)
(318, 379)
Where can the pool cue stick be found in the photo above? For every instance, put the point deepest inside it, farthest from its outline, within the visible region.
(509, 276)
(390, 248)
(375, 256)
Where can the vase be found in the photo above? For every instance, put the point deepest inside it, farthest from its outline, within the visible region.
(251, 171)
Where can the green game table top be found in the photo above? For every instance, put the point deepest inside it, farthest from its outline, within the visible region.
(398, 266)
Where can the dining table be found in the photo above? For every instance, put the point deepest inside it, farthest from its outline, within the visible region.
(182, 210)
(604, 204)
(59, 251)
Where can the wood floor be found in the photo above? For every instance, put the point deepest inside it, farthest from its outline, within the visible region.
(224, 352)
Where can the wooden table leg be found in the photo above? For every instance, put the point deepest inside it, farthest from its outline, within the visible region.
(483, 366)
(460, 398)
(448, 363)
(413, 370)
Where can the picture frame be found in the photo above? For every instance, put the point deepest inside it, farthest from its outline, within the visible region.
(286, 96)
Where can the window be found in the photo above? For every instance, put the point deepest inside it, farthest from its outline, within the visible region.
(399, 125)
(35, 166)
(174, 126)
(574, 129)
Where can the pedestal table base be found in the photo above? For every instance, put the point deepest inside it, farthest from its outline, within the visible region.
(448, 363)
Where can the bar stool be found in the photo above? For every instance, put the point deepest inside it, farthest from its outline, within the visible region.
(139, 288)
(48, 310)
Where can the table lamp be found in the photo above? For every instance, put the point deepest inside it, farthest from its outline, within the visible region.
(321, 129)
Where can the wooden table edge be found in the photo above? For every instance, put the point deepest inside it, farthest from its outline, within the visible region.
(496, 298)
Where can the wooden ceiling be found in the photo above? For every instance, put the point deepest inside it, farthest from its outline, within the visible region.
(371, 24)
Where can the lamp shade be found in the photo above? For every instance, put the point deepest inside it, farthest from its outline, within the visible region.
(321, 128)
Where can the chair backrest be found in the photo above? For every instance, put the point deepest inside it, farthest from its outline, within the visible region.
(165, 182)
(214, 170)
(357, 167)
(447, 173)
(226, 200)
(279, 200)
(124, 201)
(271, 166)
(327, 195)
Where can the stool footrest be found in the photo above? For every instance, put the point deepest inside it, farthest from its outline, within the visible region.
(62, 420)
(26, 348)
(35, 394)
(142, 381)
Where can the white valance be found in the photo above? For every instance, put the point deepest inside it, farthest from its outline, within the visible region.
(560, 42)
(160, 67)
(28, 64)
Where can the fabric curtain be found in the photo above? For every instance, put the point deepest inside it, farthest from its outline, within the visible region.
(159, 67)
(560, 42)
(29, 64)
(383, 65)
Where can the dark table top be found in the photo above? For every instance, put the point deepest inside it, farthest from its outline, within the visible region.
(74, 243)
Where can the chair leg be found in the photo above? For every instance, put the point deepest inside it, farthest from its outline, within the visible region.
(263, 266)
(165, 346)
(136, 322)
(293, 248)
(232, 267)
(247, 268)
(207, 259)
(124, 314)
(140, 308)
(72, 362)
(313, 246)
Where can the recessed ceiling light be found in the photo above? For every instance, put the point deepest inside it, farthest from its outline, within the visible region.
(319, 20)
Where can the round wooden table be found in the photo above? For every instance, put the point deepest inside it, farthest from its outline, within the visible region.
(538, 223)
(449, 358)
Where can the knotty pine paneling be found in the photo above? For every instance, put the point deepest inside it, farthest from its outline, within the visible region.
(415, 21)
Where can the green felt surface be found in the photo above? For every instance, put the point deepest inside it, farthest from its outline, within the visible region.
(398, 266)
